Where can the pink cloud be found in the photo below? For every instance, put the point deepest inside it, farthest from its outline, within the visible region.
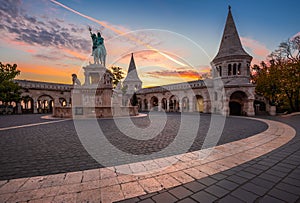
(259, 50)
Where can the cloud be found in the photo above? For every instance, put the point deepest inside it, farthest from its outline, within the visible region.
(259, 50)
(18, 25)
(188, 74)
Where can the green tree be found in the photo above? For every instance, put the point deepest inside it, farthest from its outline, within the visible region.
(9, 90)
(279, 81)
(117, 74)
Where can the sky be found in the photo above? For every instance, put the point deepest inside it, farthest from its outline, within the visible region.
(172, 40)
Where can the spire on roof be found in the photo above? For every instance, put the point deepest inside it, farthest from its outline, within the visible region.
(231, 44)
(132, 72)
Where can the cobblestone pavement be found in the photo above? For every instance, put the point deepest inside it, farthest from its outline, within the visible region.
(17, 120)
(273, 177)
(55, 148)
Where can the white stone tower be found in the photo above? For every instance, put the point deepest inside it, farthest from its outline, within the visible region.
(132, 82)
(232, 63)
(232, 66)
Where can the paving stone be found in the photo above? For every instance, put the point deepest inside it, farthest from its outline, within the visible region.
(217, 191)
(147, 196)
(132, 189)
(237, 179)
(167, 181)
(195, 186)
(150, 185)
(228, 172)
(230, 199)
(207, 181)
(288, 188)
(218, 176)
(254, 171)
(204, 197)
(260, 167)
(111, 194)
(131, 200)
(291, 181)
(187, 200)
(263, 183)
(226, 184)
(283, 195)
(245, 174)
(180, 192)
(275, 173)
(147, 201)
(244, 195)
(268, 177)
(270, 199)
(164, 197)
(282, 169)
(255, 189)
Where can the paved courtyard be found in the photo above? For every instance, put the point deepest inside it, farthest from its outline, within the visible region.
(254, 161)
(52, 148)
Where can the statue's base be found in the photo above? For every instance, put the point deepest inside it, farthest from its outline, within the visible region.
(95, 112)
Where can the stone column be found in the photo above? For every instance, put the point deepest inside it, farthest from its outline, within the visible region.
(250, 111)
(225, 109)
(180, 105)
(35, 105)
(159, 105)
(168, 107)
(87, 79)
(191, 104)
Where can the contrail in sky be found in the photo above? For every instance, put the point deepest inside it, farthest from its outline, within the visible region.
(104, 24)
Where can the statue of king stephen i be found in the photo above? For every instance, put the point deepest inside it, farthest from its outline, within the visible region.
(98, 48)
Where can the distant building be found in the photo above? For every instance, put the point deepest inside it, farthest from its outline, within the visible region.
(231, 67)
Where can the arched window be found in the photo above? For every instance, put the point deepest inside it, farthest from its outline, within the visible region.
(220, 71)
(229, 69)
(234, 69)
(239, 69)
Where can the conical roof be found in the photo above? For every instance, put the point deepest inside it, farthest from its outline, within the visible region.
(231, 44)
(132, 72)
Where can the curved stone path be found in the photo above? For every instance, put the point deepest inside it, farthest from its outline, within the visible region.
(150, 178)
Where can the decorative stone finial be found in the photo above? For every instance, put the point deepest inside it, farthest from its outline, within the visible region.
(229, 7)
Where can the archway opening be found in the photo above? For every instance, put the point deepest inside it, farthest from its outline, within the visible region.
(199, 104)
(45, 104)
(154, 103)
(174, 104)
(238, 103)
(164, 104)
(235, 108)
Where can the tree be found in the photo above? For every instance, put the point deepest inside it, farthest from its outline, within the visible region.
(117, 75)
(9, 90)
(280, 80)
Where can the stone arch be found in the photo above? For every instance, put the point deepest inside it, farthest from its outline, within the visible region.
(185, 104)
(27, 104)
(45, 103)
(154, 103)
(62, 101)
(238, 103)
(173, 104)
(199, 104)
